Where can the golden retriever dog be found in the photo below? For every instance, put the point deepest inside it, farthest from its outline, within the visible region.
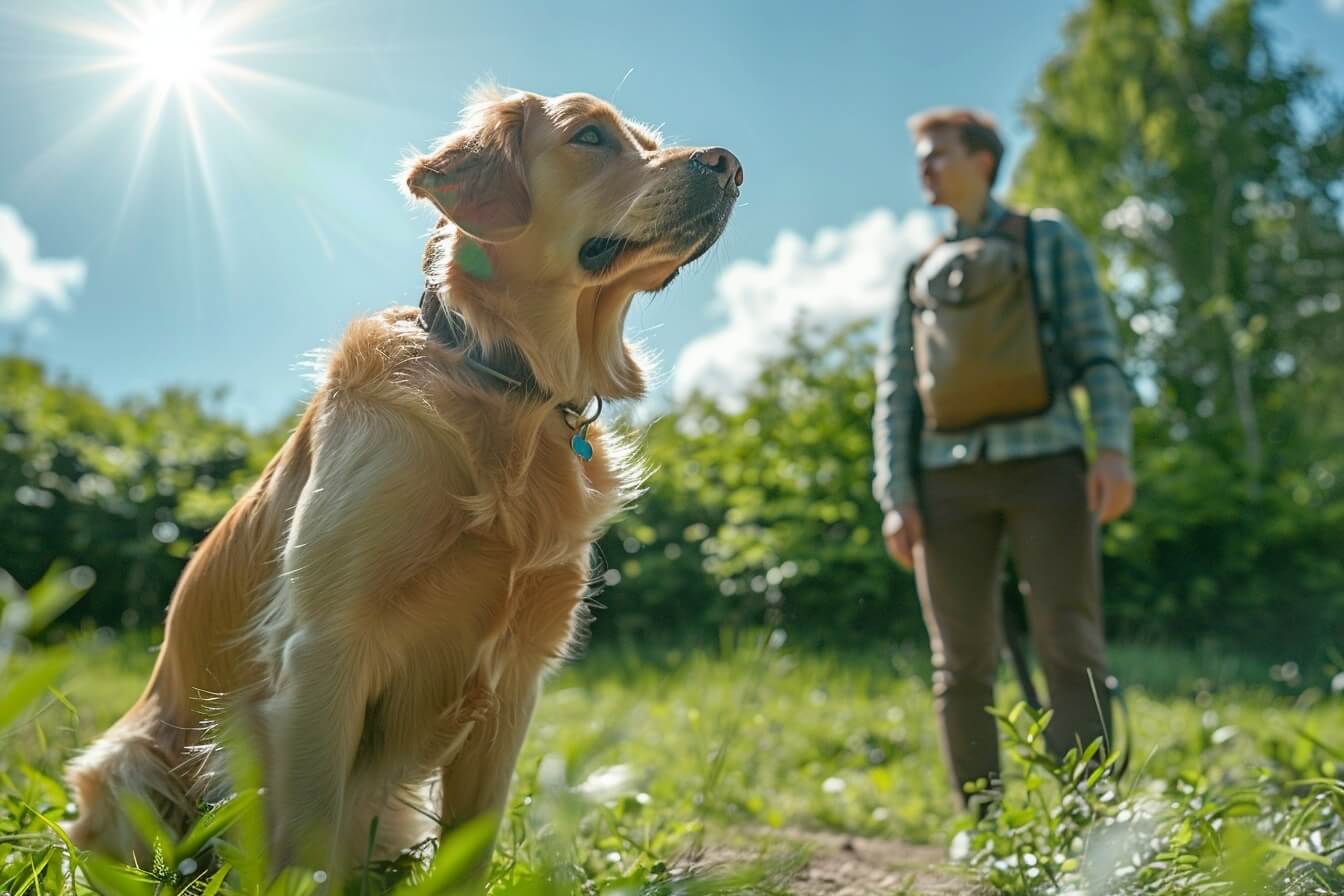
(379, 610)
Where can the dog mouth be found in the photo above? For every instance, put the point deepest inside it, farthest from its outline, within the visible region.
(601, 252)
(708, 230)
(692, 239)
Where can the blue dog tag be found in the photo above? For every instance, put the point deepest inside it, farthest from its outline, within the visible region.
(580, 445)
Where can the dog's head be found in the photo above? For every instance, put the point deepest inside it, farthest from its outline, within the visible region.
(560, 210)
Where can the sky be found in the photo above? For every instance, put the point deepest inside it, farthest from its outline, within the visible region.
(215, 232)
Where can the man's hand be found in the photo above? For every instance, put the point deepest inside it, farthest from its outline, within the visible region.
(902, 529)
(1110, 486)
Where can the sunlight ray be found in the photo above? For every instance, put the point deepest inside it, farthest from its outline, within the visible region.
(223, 102)
(206, 173)
(110, 64)
(317, 230)
(242, 15)
(76, 137)
(94, 32)
(199, 54)
(147, 132)
(297, 88)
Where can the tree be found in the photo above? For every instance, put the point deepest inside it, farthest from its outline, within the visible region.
(1209, 173)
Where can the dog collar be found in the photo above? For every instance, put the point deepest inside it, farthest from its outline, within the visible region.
(508, 368)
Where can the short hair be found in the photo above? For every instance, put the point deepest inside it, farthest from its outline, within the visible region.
(977, 130)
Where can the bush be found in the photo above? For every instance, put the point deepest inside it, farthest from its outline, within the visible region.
(757, 514)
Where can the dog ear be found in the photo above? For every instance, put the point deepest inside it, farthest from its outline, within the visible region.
(476, 176)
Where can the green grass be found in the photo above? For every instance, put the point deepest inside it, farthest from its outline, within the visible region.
(634, 761)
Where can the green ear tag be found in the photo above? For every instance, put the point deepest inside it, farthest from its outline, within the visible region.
(580, 445)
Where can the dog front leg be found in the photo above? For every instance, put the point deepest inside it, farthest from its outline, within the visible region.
(345, 550)
(314, 720)
(476, 781)
(365, 522)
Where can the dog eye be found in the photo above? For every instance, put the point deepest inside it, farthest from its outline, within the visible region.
(589, 136)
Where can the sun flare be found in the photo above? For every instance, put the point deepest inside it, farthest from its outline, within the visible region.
(195, 77)
(173, 48)
(179, 63)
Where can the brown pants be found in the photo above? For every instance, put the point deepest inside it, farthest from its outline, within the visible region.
(1041, 504)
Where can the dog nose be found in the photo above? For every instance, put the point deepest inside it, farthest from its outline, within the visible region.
(721, 162)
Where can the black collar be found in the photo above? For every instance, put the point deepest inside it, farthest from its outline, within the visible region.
(504, 368)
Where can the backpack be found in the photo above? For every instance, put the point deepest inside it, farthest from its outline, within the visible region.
(980, 330)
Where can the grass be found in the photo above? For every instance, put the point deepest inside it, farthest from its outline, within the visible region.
(634, 762)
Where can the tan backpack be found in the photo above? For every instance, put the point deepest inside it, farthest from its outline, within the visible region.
(979, 330)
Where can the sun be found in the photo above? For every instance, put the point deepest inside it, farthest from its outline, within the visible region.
(173, 47)
(182, 55)
(188, 69)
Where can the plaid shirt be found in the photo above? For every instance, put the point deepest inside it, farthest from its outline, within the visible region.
(1086, 331)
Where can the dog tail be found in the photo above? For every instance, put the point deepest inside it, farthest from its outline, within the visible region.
(132, 762)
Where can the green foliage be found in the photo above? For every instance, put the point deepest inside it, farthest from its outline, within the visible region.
(756, 515)
(760, 514)
(763, 514)
(24, 615)
(25, 678)
(636, 763)
(594, 811)
(129, 490)
(1067, 825)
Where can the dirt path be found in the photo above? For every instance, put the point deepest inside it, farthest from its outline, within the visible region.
(824, 864)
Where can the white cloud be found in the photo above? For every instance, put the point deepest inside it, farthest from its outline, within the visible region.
(26, 280)
(839, 277)
(1335, 6)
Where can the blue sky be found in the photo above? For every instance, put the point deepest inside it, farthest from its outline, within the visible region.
(219, 255)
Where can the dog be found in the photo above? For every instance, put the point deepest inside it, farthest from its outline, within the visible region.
(379, 610)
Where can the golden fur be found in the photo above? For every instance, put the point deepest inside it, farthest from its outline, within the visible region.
(380, 608)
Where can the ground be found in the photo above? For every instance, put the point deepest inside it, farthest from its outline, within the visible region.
(840, 865)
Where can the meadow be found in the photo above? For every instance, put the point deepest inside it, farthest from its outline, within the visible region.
(746, 766)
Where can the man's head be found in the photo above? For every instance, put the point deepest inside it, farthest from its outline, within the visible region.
(958, 152)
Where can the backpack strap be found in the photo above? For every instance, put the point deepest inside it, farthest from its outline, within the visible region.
(1021, 228)
(917, 264)
(915, 433)
(1078, 369)
(1014, 225)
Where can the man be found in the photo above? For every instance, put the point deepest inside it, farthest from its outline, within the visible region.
(952, 498)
